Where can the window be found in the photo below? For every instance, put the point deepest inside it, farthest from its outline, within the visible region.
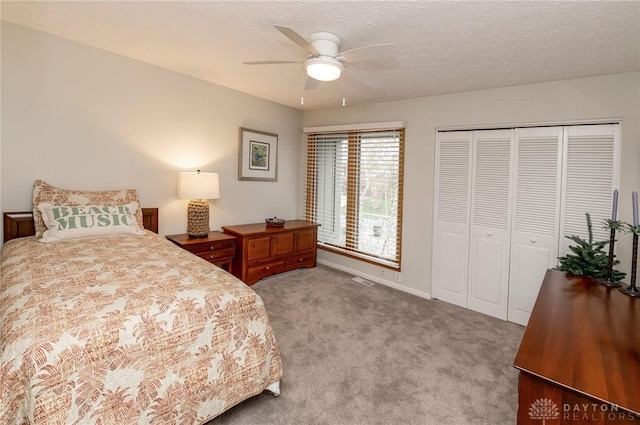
(354, 190)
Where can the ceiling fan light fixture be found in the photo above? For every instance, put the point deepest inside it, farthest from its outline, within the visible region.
(323, 69)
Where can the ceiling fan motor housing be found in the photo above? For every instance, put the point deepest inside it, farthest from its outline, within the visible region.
(326, 43)
(325, 66)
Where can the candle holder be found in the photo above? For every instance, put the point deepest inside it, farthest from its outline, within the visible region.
(633, 290)
(609, 281)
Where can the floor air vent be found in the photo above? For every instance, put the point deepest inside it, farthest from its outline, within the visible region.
(362, 281)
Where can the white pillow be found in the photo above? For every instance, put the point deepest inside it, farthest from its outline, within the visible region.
(44, 193)
(88, 221)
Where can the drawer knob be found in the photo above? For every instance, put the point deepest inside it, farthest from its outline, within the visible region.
(267, 268)
(489, 233)
(300, 260)
(534, 240)
(212, 247)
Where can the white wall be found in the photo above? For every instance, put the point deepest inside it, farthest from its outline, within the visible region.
(84, 118)
(615, 96)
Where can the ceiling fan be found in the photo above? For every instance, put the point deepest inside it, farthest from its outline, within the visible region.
(326, 62)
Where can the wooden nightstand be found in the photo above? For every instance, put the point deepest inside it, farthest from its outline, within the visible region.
(217, 248)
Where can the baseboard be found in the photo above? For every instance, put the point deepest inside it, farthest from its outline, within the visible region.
(394, 285)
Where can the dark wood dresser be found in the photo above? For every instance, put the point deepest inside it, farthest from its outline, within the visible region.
(579, 358)
(263, 250)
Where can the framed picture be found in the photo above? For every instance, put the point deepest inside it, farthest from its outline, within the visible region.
(258, 155)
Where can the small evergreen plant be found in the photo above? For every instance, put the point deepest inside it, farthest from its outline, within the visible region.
(589, 258)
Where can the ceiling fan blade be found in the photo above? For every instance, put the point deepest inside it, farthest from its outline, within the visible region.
(269, 62)
(374, 52)
(363, 77)
(311, 84)
(298, 39)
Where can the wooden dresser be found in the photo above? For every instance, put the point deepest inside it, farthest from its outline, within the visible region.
(579, 359)
(263, 250)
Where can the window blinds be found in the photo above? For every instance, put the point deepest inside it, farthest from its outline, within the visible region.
(354, 190)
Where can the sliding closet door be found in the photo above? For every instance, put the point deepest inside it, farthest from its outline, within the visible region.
(490, 222)
(591, 170)
(536, 207)
(451, 217)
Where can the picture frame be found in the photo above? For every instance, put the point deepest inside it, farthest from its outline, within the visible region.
(257, 155)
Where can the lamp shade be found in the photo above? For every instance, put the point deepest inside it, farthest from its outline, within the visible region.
(197, 185)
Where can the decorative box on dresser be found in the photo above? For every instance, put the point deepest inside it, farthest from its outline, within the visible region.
(263, 250)
(217, 248)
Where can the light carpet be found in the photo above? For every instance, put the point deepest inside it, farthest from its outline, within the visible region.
(355, 355)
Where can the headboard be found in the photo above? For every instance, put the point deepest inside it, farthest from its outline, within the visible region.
(20, 224)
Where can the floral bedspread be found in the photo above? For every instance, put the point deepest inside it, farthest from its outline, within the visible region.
(126, 330)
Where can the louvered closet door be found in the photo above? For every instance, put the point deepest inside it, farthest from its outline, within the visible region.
(591, 164)
(451, 217)
(490, 222)
(536, 207)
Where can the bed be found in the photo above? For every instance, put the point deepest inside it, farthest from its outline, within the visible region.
(124, 329)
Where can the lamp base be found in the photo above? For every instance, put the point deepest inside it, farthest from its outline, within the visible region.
(198, 218)
(609, 284)
(630, 291)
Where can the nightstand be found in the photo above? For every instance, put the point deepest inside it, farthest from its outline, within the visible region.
(217, 248)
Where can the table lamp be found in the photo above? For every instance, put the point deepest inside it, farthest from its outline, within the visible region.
(198, 187)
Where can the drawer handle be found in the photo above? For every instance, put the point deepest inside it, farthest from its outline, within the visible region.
(300, 260)
(534, 240)
(211, 257)
(267, 268)
(489, 234)
(212, 247)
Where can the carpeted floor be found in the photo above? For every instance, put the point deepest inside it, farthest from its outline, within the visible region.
(355, 355)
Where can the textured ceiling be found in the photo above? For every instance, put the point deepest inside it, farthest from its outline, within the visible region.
(447, 46)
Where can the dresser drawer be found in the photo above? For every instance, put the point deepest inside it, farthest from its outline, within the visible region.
(210, 246)
(257, 272)
(300, 260)
(216, 254)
